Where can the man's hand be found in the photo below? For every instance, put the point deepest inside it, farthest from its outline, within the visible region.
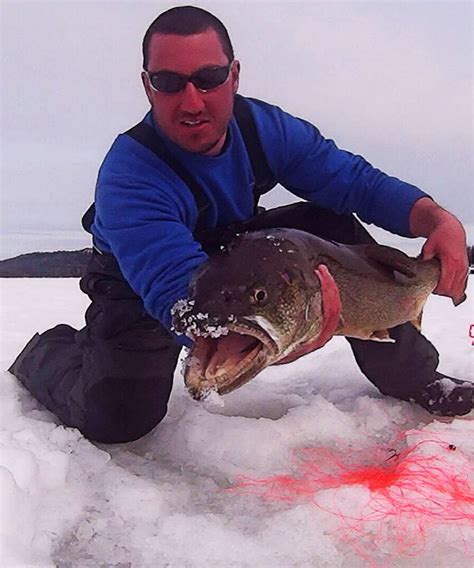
(445, 240)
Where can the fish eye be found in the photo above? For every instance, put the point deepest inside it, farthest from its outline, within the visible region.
(260, 295)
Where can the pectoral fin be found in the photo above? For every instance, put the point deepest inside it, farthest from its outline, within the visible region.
(381, 335)
(417, 322)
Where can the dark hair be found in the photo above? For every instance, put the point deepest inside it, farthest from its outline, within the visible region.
(186, 20)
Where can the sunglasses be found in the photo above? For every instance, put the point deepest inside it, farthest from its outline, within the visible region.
(204, 79)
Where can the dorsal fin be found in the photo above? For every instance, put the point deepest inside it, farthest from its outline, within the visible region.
(402, 267)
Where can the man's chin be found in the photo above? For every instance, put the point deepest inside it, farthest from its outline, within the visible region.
(208, 148)
(203, 145)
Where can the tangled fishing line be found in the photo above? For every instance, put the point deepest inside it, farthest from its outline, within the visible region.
(426, 484)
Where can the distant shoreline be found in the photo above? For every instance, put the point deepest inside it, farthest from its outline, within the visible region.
(57, 264)
(72, 264)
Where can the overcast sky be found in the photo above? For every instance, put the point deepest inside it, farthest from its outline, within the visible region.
(392, 81)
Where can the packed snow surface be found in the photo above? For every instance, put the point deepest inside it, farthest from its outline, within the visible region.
(165, 501)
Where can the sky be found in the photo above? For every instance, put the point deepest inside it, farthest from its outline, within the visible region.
(174, 497)
(392, 81)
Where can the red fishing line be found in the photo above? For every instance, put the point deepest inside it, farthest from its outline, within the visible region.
(425, 485)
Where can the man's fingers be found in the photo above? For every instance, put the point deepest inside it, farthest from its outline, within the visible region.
(331, 303)
(447, 242)
(427, 252)
(445, 282)
(452, 280)
(459, 286)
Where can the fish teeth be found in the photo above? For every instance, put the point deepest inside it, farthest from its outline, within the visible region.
(267, 326)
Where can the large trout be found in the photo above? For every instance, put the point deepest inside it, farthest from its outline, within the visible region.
(259, 302)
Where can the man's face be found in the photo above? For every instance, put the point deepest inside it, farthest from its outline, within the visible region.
(196, 121)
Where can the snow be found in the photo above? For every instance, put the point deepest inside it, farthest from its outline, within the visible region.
(163, 500)
(197, 324)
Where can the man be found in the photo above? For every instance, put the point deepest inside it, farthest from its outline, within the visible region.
(165, 186)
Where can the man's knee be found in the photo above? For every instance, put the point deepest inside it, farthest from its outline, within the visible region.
(110, 430)
(399, 369)
(108, 394)
(118, 411)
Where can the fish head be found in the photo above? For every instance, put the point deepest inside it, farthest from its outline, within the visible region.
(249, 305)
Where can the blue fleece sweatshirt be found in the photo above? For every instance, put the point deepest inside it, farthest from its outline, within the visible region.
(145, 214)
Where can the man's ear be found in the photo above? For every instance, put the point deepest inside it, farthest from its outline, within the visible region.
(235, 76)
(148, 89)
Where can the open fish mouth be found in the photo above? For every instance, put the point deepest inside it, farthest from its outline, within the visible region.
(225, 363)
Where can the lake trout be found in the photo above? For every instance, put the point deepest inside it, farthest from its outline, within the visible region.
(259, 302)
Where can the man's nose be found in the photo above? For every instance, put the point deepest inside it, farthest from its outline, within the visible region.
(192, 99)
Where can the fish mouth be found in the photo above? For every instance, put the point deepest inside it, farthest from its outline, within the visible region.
(224, 363)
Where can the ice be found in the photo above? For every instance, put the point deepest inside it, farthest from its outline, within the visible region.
(17, 516)
(197, 324)
(213, 400)
(164, 500)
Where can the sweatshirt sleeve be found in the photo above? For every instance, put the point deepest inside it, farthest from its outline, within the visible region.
(315, 169)
(145, 216)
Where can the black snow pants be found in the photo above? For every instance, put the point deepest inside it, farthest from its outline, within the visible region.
(113, 378)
